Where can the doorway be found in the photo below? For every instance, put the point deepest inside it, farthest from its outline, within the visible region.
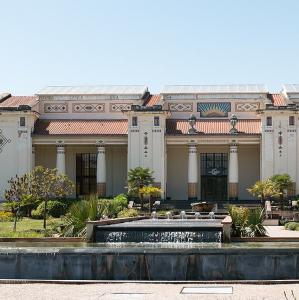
(214, 176)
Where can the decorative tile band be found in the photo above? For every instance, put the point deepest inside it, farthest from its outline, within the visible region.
(181, 107)
(247, 106)
(55, 108)
(88, 107)
(213, 109)
(117, 107)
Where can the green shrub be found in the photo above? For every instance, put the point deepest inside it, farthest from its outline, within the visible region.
(6, 216)
(55, 209)
(239, 217)
(127, 213)
(292, 226)
(117, 204)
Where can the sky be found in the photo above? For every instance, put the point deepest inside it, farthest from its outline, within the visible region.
(155, 42)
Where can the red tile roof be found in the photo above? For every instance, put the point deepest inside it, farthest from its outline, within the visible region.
(81, 127)
(152, 100)
(16, 101)
(277, 99)
(214, 126)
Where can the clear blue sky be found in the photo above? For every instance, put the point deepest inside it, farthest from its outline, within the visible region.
(155, 42)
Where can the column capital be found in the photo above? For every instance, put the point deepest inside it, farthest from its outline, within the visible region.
(233, 148)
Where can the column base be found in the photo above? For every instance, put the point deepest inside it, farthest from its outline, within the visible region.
(233, 191)
(101, 189)
(192, 191)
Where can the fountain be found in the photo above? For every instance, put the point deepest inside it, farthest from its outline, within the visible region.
(183, 215)
(212, 215)
(154, 215)
(168, 215)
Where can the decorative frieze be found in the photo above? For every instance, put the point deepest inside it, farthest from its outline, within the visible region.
(118, 107)
(3, 140)
(55, 108)
(181, 107)
(213, 96)
(88, 107)
(213, 109)
(247, 106)
(87, 97)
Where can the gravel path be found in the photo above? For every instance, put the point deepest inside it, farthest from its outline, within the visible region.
(119, 291)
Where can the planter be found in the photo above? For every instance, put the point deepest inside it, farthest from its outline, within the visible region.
(202, 206)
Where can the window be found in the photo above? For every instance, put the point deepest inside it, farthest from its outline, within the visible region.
(22, 121)
(156, 121)
(291, 120)
(269, 121)
(134, 121)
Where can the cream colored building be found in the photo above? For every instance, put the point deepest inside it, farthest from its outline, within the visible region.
(236, 135)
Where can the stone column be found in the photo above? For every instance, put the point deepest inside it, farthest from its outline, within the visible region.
(33, 158)
(192, 173)
(233, 176)
(60, 161)
(101, 172)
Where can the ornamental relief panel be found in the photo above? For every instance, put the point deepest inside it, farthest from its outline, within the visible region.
(88, 107)
(118, 107)
(181, 107)
(55, 108)
(3, 140)
(213, 109)
(247, 106)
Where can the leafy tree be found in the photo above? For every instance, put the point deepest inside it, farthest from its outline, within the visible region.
(264, 190)
(282, 182)
(150, 191)
(17, 195)
(137, 179)
(48, 184)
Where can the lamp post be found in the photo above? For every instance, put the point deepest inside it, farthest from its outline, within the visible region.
(233, 122)
(192, 122)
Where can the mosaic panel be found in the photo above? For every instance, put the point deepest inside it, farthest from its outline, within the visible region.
(55, 108)
(115, 107)
(181, 107)
(247, 106)
(3, 141)
(213, 109)
(88, 107)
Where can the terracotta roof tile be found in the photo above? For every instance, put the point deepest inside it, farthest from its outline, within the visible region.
(152, 100)
(81, 127)
(16, 101)
(214, 126)
(277, 99)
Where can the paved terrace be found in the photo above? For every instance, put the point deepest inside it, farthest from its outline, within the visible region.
(139, 291)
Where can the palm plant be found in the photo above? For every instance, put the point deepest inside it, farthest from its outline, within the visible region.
(255, 222)
(78, 214)
(282, 182)
(137, 179)
(264, 190)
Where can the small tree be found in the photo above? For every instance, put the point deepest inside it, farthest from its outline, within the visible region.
(150, 191)
(17, 194)
(137, 179)
(283, 182)
(48, 183)
(264, 190)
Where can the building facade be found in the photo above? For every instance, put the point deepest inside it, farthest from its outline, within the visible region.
(202, 142)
